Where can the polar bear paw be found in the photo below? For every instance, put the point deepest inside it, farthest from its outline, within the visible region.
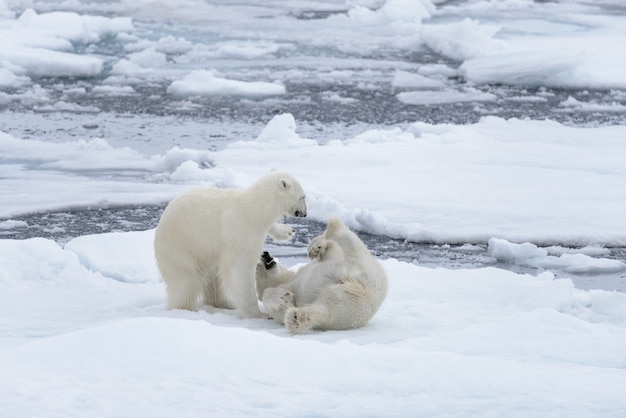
(298, 321)
(281, 232)
(268, 260)
(317, 248)
(277, 301)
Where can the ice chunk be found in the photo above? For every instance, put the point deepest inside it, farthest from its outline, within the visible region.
(527, 68)
(11, 224)
(429, 97)
(204, 83)
(148, 58)
(281, 127)
(44, 62)
(462, 40)
(503, 250)
(531, 255)
(114, 90)
(9, 79)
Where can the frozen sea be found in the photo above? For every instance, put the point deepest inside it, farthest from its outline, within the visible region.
(478, 148)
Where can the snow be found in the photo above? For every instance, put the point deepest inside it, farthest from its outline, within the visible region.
(83, 325)
(108, 254)
(444, 340)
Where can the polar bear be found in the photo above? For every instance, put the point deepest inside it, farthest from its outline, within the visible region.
(208, 241)
(342, 288)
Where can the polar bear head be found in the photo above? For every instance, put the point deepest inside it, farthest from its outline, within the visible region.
(293, 196)
(284, 191)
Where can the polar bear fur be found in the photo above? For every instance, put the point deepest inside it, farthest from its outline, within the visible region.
(342, 288)
(208, 241)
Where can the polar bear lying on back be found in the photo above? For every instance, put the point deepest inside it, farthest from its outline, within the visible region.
(342, 288)
(208, 241)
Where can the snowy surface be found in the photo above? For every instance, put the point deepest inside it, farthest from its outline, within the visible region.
(480, 123)
(84, 336)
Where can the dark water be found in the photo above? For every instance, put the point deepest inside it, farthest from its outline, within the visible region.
(378, 106)
(62, 226)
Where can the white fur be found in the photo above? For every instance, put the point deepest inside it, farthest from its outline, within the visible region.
(208, 241)
(342, 288)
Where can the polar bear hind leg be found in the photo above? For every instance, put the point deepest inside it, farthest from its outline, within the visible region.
(183, 287)
(304, 319)
(214, 294)
(277, 301)
(346, 305)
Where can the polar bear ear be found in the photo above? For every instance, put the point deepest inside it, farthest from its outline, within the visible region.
(285, 184)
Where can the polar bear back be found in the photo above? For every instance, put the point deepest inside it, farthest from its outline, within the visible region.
(347, 280)
(362, 283)
(199, 216)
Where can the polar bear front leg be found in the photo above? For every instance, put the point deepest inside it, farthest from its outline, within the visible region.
(281, 232)
(270, 274)
(243, 291)
(317, 248)
(276, 301)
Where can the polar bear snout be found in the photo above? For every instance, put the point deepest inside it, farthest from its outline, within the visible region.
(299, 210)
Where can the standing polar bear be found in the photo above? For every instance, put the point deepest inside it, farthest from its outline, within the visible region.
(208, 241)
(342, 288)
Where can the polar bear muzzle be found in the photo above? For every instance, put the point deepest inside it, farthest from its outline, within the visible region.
(291, 186)
(299, 211)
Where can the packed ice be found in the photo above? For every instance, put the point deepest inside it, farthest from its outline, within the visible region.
(83, 326)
